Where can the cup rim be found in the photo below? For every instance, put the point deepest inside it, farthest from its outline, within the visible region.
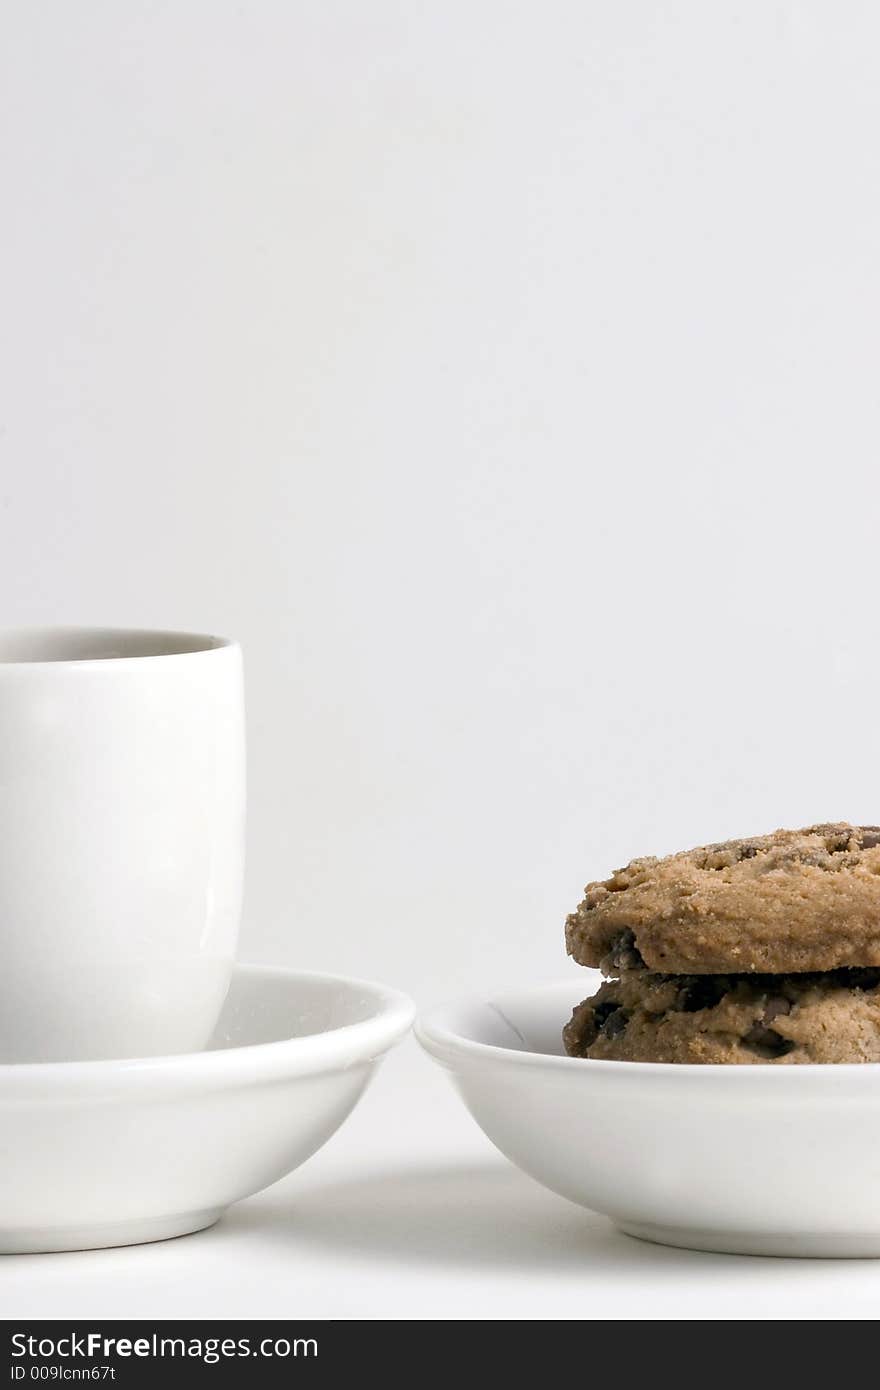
(81, 646)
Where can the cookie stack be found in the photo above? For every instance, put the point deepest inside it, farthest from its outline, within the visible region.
(765, 950)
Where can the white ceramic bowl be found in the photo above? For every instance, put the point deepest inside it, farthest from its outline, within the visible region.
(752, 1160)
(113, 1153)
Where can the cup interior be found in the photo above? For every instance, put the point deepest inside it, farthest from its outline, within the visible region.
(61, 644)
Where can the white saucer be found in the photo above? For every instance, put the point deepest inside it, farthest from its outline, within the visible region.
(756, 1160)
(114, 1153)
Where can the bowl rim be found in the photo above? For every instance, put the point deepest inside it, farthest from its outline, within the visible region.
(444, 1038)
(310, 1054)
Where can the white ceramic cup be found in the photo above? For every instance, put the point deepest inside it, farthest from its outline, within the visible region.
(122, 786)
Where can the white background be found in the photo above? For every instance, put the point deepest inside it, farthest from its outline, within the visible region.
(504, 376)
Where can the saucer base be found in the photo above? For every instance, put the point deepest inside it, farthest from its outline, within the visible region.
(36, 1240)
(784, 1245)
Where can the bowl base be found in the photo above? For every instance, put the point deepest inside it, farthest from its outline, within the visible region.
(39, 1240)
(782, 1244)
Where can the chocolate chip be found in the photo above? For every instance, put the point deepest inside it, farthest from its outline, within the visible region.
(761, 1035)
(602, 1012)
(766, 1042)
(838, 844)
(615, 1023)
(777, 1006)
(702, 992)
(624, 954)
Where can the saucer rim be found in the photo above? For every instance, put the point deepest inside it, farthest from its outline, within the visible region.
(328, 1050)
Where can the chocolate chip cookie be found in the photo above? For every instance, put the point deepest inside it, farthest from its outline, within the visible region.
(733, 1019)
(794, 901)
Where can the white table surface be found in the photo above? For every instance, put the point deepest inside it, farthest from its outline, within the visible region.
(409, 1212)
